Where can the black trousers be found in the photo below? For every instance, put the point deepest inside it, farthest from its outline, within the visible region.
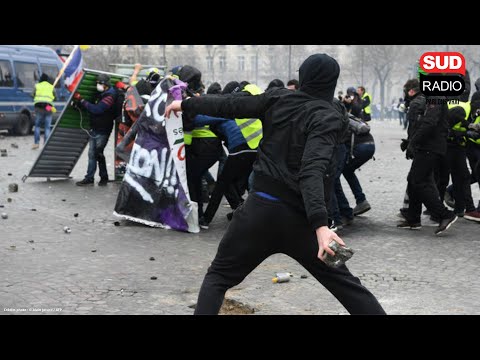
(201, 155)
(422, 187)
(260, 228)
(458, 169)
(236, 168)
(442, 176)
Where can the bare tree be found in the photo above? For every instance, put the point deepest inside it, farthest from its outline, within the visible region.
(98, 57)
(382, 60)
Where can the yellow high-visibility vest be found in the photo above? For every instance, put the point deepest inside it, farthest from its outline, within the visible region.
(466, 106)
(251, 128)
(477, 141)
(367, 109)
(44, 93)
(187, 137)
(203, 132)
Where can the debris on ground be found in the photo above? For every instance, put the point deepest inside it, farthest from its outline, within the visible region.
(153, 278)
(233, 307)
(282, 277)
(67, 230)
(152, 258)
(13, 187)
(4, 216)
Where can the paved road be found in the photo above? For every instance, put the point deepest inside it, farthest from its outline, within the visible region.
(100, 268)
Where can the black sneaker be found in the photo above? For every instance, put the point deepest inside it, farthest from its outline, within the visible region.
(361, 208)
(445, 224)
(203, 224)
(449, 200)
(103, 182)
(408, 225)
(85, 182)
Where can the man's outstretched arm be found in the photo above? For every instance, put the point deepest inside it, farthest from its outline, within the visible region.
(229, 107)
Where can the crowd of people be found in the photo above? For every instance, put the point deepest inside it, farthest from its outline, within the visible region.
(282, 152)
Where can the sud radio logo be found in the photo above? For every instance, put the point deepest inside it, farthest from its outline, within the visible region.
(441, 74)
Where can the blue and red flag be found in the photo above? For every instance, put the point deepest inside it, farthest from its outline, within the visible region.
(73, 71)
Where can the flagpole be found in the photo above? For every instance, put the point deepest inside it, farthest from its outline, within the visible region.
(65, 64)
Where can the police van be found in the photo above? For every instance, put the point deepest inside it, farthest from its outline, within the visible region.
(20, 69)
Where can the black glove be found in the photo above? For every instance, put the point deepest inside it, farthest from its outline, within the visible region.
(410, 152)
(404, 144)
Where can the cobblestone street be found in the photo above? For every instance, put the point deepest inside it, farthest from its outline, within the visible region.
(101, 268)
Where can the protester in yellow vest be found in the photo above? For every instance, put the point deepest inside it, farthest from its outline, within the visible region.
(43, 97)
(458, 118)
(366, 103)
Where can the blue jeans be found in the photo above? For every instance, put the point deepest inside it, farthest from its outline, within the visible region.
(361, 154)
(46, 118)
(97, 144)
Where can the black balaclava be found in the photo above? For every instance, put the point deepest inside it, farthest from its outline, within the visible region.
(215, 88)
(275, 83)
(192, 76)
(44, 77)
(232, 85)
(318, 76)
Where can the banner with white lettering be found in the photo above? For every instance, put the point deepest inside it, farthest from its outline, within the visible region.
(154, 190)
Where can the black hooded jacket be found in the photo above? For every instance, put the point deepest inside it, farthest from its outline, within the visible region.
(300, 133)
(416, 108)
(430, 130)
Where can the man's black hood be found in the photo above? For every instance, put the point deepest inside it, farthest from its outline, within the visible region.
(318, 76)
(215, 88)
(232, 85)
